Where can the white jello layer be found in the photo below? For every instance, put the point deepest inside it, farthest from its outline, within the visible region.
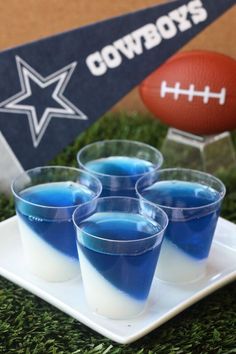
(43, 260)
(174, 265)
(105, 299)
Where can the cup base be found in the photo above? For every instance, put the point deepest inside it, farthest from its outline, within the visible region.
(44, 261)
(106, 300)
(48, 277)
(119, 318)
(176, 266)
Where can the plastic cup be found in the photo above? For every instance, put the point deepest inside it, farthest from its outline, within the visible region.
(119, 240)
(119, 164)
(45, 199)
(192, 201)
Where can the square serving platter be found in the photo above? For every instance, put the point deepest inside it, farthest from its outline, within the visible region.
(165, 301)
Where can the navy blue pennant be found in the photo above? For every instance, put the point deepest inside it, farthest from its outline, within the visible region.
(53, 89)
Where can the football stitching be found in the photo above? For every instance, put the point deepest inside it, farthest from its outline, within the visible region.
(206, 94)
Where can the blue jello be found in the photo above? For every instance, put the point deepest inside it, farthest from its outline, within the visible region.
(129, 268)
(119, 166)
(191, 227)
(52, 222)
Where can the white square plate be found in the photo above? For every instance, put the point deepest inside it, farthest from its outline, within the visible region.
(165, 301)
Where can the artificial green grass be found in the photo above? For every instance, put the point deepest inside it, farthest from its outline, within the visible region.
(30, 325)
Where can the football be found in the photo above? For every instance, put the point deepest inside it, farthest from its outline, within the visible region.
(194, 91)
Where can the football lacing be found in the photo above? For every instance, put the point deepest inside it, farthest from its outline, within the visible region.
(206, 94)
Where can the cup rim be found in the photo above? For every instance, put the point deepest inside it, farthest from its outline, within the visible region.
(163, 213)
(110, 141)
(205, 174)
(17, 195)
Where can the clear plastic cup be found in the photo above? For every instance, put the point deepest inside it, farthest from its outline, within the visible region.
(192, 201)
(45, 199)
(119, 164)
(119, 240)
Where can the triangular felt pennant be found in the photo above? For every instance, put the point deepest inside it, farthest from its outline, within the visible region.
(53, 89)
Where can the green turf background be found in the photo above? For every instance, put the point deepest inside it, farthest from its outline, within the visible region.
(29, 325)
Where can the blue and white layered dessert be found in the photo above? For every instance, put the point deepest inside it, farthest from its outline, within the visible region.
(48, 236)
(118, 260)
(193, 212)
(130, 168)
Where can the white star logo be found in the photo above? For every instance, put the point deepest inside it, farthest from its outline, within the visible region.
(63, 107)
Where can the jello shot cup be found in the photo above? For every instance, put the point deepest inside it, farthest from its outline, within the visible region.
(119, 240)
(45, 199)
(192, 201)
(118, 164)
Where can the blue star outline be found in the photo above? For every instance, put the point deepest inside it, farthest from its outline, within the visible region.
(63, 109)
